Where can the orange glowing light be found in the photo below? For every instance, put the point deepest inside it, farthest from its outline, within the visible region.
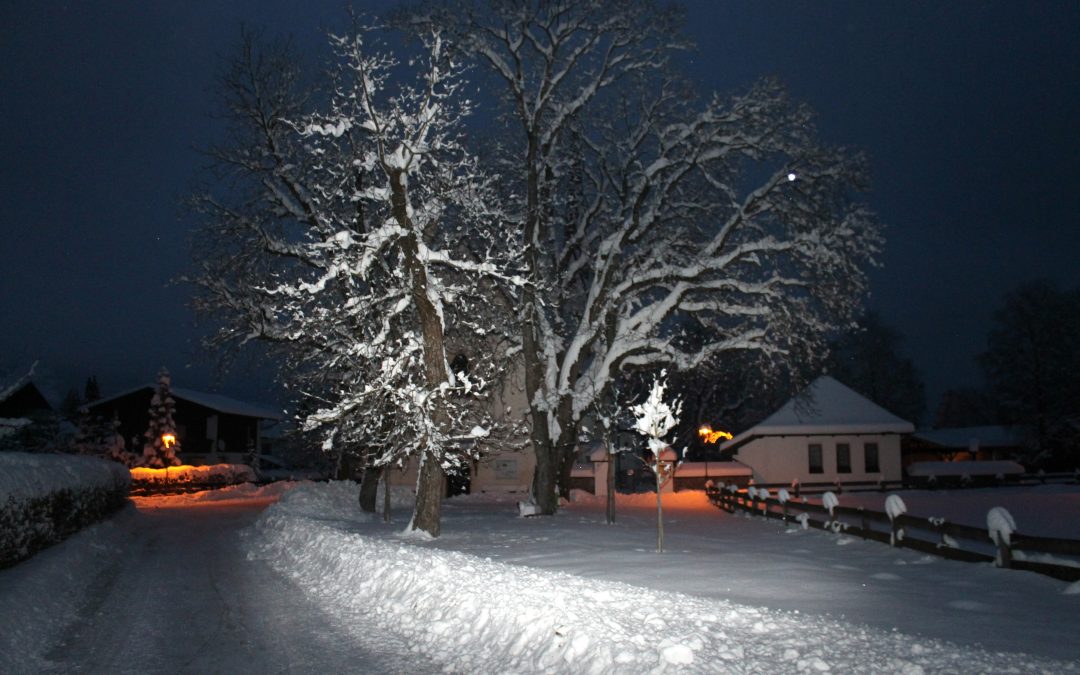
(710, 436)
(168, 440)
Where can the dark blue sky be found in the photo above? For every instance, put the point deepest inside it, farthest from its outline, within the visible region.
(967, 110)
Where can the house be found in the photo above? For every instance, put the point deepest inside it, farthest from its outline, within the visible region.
(827, 434)
(212, 429)
(22, 399)
(509, 468)
(964, 443)
(21, 405)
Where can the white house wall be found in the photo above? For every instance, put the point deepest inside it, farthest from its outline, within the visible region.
(782, 459)
(509, 470)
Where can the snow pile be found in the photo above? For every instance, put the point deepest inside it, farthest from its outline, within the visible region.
(476, 615)
(34, 475)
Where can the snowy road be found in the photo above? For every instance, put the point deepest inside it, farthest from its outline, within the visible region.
(178, 595)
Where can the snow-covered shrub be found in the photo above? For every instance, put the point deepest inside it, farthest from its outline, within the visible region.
(213, 474)
(45, 498)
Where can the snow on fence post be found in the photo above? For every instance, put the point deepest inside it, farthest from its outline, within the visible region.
(895, 507)
(782, 496)
(1001, 525)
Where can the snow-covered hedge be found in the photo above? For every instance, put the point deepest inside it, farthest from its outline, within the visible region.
(214, 474)
(45, 498)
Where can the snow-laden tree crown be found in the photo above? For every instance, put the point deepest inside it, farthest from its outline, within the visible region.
(657, 228)
(361, 237)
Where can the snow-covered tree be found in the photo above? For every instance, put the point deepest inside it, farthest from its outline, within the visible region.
(1030, 364)
(161, 440)
(362, 237)
(646, 209)
(655, 418)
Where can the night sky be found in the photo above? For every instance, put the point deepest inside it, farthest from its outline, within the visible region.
(967, 111)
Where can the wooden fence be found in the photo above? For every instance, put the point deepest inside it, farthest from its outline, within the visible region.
(936, 536)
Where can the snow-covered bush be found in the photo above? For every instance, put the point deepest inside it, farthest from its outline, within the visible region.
(45, 498)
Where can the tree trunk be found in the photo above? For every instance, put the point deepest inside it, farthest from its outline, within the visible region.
(430, 484)
(386, 493)
(659, 509)
(369, 489)
(610, 478)
(545, 476)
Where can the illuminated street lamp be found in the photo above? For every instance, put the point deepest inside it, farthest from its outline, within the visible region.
(709, 436)
(168, 440)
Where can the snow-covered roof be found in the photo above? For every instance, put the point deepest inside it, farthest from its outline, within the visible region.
(966, 437)
(825, 407)
(222, 404)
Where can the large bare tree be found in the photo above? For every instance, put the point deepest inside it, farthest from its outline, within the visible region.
(344, 235)
(645, 208)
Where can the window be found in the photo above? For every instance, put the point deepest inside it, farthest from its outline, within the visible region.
(871, 454)
(816, 465)
(843, 458)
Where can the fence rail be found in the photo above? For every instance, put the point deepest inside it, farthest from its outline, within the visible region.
(936, 536)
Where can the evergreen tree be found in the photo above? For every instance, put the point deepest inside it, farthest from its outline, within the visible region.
(70, 405)
(92, 391)
(159, 450)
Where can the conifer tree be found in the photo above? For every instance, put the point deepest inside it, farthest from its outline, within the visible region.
(159, 450)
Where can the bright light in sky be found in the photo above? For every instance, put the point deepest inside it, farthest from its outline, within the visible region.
(791, 177)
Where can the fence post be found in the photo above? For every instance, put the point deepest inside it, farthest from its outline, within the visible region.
(1000, 525)
(1004, 556)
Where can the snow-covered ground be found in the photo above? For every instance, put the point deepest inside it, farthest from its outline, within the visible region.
(500, 593)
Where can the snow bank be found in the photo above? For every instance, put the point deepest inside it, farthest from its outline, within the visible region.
(476, 615)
